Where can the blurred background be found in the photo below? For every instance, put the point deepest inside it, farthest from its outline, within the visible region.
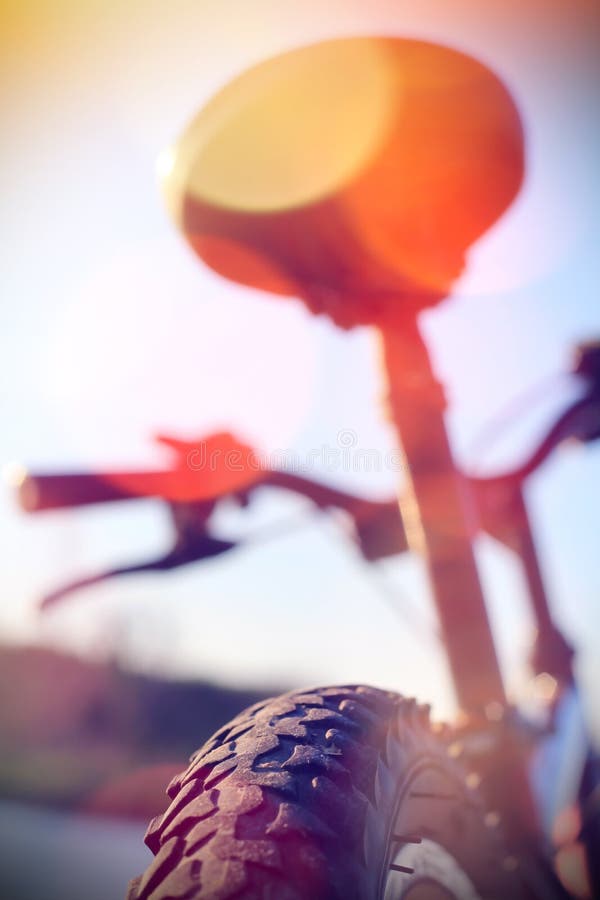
(113, 332)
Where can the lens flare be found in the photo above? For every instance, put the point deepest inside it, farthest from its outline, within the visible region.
(275, 139)
(151, 345)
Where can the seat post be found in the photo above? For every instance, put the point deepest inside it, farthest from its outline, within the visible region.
(439, 517)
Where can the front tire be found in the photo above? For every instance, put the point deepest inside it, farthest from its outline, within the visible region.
(339, 793)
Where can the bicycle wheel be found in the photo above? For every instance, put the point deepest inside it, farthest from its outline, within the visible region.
(339, 793)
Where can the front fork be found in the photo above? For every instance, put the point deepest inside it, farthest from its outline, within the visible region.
(565, 778)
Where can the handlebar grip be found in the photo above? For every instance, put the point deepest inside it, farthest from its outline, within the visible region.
(38, 492)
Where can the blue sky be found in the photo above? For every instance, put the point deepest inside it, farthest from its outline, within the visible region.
(111, 332)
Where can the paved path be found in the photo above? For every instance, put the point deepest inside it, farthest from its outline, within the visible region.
(49, 855)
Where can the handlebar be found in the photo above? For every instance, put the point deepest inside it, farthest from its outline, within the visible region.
(581, 422)
(378, 523)
(39, 491)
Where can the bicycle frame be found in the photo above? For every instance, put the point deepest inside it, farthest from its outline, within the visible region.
(442, 511)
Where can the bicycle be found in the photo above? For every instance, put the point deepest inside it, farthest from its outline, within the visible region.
(350, 792)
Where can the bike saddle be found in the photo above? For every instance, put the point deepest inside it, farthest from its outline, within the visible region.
(353, 173)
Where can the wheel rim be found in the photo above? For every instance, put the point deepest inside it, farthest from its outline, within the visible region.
(427, 871)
